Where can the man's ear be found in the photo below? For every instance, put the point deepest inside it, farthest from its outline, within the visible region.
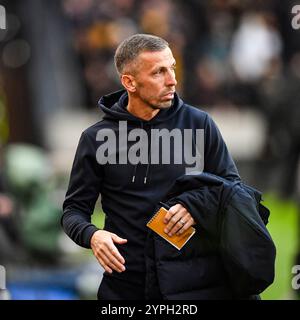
(128, 82)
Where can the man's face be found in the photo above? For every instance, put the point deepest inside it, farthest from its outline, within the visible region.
(155, 78)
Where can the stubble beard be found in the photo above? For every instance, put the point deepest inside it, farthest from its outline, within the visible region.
(160, 106)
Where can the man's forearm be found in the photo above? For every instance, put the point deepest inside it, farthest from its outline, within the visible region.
(78, 227)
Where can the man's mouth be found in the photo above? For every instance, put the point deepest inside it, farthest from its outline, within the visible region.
(169, 95)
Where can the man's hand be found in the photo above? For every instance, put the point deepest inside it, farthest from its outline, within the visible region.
(102, 244)
(177, 220)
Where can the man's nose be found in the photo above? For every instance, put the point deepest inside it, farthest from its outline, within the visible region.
(171, 79)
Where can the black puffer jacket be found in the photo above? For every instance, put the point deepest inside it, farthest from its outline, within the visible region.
(231, 255)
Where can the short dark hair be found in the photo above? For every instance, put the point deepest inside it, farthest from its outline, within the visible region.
(130, 48)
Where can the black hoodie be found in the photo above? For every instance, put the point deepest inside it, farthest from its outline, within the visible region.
(130, 192)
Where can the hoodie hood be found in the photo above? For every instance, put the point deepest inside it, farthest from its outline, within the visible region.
(114, 106)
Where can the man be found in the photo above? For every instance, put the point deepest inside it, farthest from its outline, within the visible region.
(134, 174)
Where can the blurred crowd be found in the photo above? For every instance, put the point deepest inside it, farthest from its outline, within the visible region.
(230, 55)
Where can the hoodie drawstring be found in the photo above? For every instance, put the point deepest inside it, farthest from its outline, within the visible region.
(149, 156)
(134, 173)
(148, 164)
(135, 167)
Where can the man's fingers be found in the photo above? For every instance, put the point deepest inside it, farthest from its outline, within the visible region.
(109, 261)
(183, 222)
(114, 256)
(104, 265)
(180, 223)
(188, 224)
(113, 264)
(115, 252)
(118, 266)
(171, 212)
(118, 239)
(173, 221)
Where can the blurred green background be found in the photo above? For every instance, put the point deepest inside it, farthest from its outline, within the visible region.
(283, 227)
